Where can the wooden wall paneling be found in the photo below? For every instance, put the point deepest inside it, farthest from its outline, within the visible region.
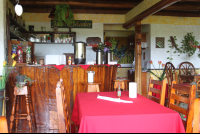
(80, 79)
(65, 75)
(46, 84)
(71, 90)
(107, 79)
(39, 98)
(111, 84)
(75, 80)
(102, 79)
(54, 77)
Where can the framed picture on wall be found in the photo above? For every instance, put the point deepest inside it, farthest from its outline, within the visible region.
(160, 42)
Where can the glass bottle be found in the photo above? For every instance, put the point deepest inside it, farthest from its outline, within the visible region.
(20, 55)
(69, 61)
(119, 91)
(28, 55)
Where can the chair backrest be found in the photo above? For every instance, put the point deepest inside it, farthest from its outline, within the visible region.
(161, 92)
(176, 99)
(184, 67)
(3, 125)
(63, 114)
(170, 73)
(196, 128)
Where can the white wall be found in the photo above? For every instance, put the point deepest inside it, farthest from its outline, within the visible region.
(163, 30)
(81, 35)
(2, 33)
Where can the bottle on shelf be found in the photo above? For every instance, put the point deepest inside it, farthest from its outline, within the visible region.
(20, 55)
(119, 91)
(28, 55)
(69, 60)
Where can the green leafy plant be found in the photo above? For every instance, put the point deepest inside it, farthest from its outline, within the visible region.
(63, 15)
(172, 45)
(189, 44)
(161, 74)
(26, 80)
(6, 71)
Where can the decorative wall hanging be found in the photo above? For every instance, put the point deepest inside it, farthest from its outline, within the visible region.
(160, 42)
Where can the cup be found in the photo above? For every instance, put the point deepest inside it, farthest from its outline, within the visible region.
(132, 90)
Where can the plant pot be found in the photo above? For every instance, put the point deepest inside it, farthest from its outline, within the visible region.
(1, 100)
(20, 78)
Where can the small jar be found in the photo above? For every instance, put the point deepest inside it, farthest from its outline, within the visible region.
(41, 62)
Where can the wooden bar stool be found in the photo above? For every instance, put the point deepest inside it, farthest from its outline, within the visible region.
(91, 87)
(123, 84)
(30, 117)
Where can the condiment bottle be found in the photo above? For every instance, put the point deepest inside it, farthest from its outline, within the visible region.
(69, 61)
(119, 91)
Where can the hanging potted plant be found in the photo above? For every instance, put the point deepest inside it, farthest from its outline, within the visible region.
(63, 15)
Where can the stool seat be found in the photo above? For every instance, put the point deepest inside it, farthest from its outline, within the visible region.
(91, 87)
(123, 84)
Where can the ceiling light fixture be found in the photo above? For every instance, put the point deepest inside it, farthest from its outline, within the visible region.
(18, 8)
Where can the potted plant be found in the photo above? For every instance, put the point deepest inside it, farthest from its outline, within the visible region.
(23, 79)
(63, 15)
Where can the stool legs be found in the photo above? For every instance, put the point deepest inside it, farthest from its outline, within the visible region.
(28, 113)
(12, 117)
(31, 109)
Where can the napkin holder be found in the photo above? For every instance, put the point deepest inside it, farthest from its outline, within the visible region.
(132, 90)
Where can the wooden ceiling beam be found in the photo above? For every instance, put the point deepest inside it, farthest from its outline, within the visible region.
(178, 13)
(82, 4)
(89, 11)
(186, 7)
(152, 10)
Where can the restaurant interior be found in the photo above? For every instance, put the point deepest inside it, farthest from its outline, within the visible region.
(99, 66)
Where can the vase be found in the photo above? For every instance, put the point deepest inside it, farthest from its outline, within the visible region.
(1, 100)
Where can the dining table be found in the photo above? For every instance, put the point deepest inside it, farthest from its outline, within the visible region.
(190, 78)
(142, 115)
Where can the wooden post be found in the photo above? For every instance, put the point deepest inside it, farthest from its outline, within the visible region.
(138, 56)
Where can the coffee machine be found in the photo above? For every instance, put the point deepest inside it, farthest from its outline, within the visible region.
(80, 52)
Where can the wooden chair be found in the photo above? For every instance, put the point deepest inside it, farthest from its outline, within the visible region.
(185, 67)
(161, 92)
(63, 114)
(196, 111)
(189, 101)
(3, 125)
(171, 75)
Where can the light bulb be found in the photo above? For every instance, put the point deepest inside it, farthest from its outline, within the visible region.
(18, 9)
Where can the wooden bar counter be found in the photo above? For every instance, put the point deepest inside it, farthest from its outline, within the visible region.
(43, 90)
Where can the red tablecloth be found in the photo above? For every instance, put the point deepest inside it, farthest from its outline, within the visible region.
(143, 115)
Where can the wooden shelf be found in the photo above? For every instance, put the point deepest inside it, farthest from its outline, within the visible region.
(50, 43)
(13, 22)
(14, 36)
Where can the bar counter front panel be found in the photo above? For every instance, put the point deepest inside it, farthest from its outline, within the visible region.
(43, 90)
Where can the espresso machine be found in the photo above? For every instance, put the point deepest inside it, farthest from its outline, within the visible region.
(80, 52)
